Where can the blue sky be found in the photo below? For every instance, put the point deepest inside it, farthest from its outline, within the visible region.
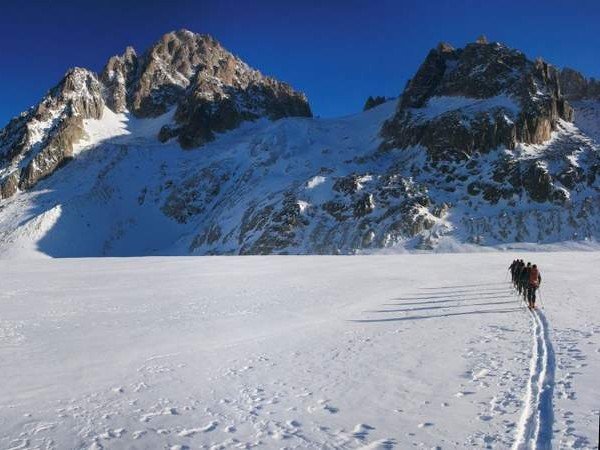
(337, 52)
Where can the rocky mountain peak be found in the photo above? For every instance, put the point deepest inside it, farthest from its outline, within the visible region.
(118, 74)
(214, 90)
(210, 89)
(477, 98)
(482, 39)
(82, 91)
(444, 47)
(165, 71)
(39, 141)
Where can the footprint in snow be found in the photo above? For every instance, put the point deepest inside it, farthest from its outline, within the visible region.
(361, 431)
(382, 444)
(138, 434)
(323, 406)
(463, 394)
(205, 429)
(210, 427)
(481, 374)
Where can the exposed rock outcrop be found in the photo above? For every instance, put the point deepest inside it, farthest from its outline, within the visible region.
(118, 75)
(475, 99)
(372, 102)
(211, 89)
(35, 144)
(577, 87)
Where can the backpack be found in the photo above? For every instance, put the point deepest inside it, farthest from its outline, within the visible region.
(534, 277)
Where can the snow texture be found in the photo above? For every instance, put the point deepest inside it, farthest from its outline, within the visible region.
(126, 194)
(437, 106)
(427, 351)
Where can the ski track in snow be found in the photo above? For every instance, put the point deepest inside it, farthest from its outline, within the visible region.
(535, 427)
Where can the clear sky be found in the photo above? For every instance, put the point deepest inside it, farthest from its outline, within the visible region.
(337, 52)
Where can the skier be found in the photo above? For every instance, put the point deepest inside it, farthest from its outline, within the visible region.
(524, 280)
(512, 269)
(534, 281)
(518, 270)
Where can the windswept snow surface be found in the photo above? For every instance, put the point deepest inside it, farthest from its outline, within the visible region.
(436, 106)
(298, 352)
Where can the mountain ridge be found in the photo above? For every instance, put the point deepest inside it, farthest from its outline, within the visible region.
(480, 150)
(173, 72)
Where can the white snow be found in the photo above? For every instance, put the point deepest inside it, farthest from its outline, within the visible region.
(98, 130)
(436, 106)
(303, 205)
(298, 352)
(587, 117)
(122, 129)
(315, 181)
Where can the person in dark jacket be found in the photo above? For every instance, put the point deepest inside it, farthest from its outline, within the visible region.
(512, 269)
(518, 270)
(534, 280)
(524, 281)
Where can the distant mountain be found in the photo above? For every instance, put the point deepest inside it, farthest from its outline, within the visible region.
(209, 89)
(187, 150)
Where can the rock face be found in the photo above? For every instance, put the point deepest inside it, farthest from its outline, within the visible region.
(119, 73)
(39, 141)
(577, 87)
(210, 89)
(372, 102)
(477, 98)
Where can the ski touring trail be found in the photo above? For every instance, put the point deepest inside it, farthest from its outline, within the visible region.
(535, 426)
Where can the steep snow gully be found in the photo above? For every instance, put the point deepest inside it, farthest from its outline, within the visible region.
(535, 426)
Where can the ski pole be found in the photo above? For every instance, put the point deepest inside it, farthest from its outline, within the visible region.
(541, 302)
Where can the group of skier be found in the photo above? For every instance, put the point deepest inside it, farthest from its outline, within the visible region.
(527, 279)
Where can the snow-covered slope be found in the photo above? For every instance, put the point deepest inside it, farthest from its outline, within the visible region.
(128, 194)
(481, 150)
(312, 352)
(297, 185)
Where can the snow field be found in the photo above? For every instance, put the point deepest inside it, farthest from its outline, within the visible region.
(297, 352)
